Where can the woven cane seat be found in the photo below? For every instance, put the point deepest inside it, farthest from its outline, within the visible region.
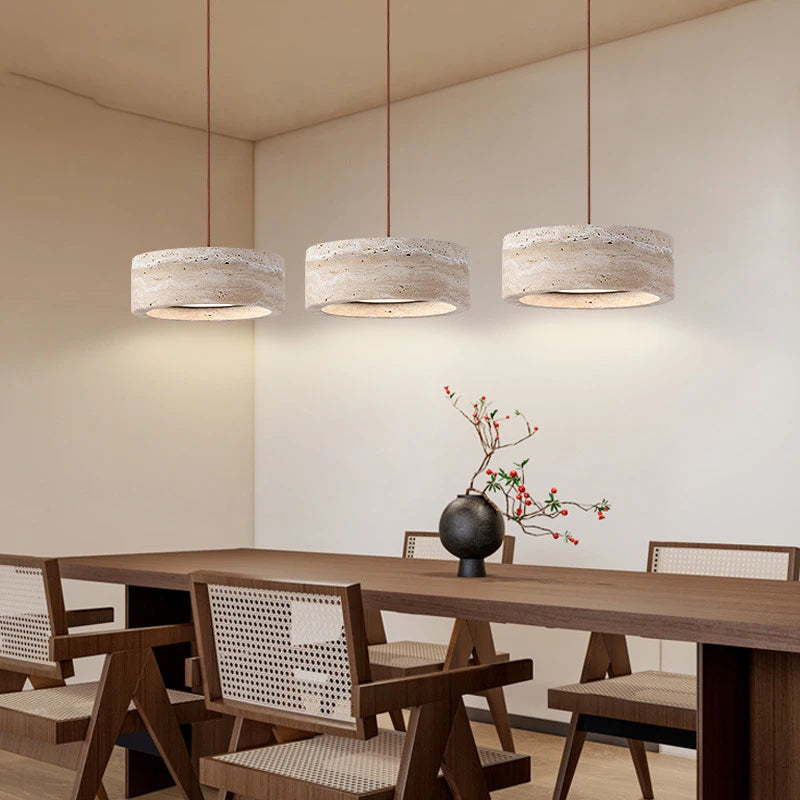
(398, 659)
(408, 655)
(348, 765)
(62, 713)
(651, 697)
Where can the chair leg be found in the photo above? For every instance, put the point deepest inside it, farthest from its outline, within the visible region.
(423, 752)
(398, 721)
(639, 756)
(569, 759)
(247, 734)
(38, 682)
(485, 653)
(462, 765)
(118, 682)
(152, 703)
(497, 706)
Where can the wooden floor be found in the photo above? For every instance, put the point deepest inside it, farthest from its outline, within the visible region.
(604, 773)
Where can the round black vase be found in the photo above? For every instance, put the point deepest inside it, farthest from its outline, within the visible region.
(471, 528)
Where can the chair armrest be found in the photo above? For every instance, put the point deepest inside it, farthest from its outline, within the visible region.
(417, 690)
(78, 645)
(79, 617)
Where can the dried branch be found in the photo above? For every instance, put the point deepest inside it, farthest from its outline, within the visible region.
(518, 504)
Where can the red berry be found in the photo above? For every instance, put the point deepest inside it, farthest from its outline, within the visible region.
(475, 414)
(519, 497)
(522, 488)
(488, 472)
(527, 494)
(483, 397)
(474, 405)
(527, 502)
(536, 427)
(564, 512)
(601, 515)
(574, 541)
(519, 511)
(513, 473)
(497, 424)
(555, 536)
(486, 417)
(508, 416)
(554, 490)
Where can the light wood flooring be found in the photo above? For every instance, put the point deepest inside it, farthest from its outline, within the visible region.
(604, 773)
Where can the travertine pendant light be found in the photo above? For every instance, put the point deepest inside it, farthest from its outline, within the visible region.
(588, 266)
(207, 283)
(387, 277)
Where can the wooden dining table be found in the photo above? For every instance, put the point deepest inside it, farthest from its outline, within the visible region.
(748, 636)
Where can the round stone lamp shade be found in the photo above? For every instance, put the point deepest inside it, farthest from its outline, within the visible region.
(588, 266)
(207, 284)
(387, 277)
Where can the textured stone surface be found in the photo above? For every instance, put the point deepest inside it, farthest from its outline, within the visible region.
(588, 266)
(207, 283)
(382, 277)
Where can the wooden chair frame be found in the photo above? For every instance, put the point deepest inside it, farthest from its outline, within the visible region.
(471, 643)
(212, 688)
(607, 657)
(793, 562)
(439, 736)
(130, 674)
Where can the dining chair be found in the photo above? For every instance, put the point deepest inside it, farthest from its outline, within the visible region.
(295, 655)
(76, 725)
(652, 706)
(404, 658)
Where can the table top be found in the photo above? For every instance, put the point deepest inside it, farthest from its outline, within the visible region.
(731, 611)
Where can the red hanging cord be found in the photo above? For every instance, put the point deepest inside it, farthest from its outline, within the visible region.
(589, 111)
(388, 119)
(208, 123)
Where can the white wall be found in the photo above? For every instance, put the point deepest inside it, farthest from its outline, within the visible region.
(684, 415)
(118, 433)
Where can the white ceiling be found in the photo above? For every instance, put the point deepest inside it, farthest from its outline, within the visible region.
(278, 65)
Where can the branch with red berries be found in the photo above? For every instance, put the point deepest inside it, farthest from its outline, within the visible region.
(507, 490)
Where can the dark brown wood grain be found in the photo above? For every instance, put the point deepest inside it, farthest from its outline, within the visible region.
(152, 703)
(380, 696)
(145, 607)
(676, 607)
(81, 617)
(723, 735)
(80, 645)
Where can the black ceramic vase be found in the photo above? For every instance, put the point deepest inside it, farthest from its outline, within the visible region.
(471, 528)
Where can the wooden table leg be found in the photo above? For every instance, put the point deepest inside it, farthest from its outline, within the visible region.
(145, 606)
(473, 639)
(749, 724)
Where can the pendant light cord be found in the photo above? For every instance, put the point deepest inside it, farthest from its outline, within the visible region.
(208, 123)
(388, 118)
(589, 112)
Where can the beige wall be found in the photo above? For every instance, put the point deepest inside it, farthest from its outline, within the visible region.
(118, 433)
(685, 415)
